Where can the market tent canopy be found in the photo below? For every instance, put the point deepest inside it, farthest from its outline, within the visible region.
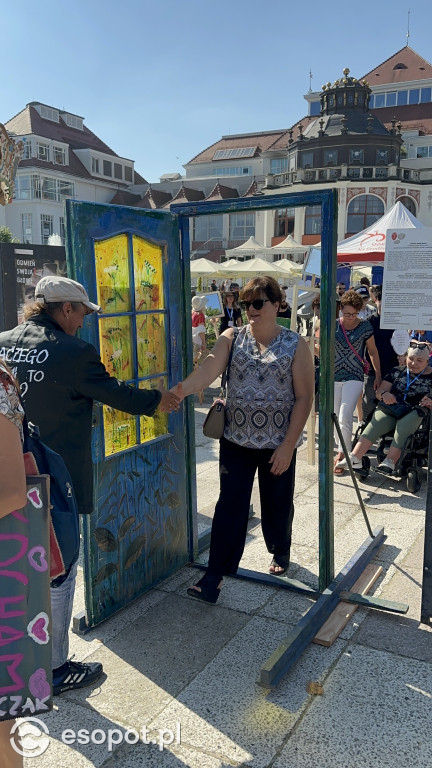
(288, 246)
(221, 268)
(368, 246)
(286, 267)
(251, 268)
(203, 268)
(250, 248)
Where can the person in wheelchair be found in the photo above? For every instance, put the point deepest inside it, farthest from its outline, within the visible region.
(404, 398)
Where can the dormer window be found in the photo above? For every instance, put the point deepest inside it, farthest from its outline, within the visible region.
(382, 156)
(59, 155)
(356, 156)
(95, 165)
(43, 151)
(330, 157)
(73, 121)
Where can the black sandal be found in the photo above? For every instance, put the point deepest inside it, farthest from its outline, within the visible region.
(208, 590)
(279, 561)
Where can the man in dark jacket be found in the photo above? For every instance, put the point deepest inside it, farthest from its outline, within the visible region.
(60, 377)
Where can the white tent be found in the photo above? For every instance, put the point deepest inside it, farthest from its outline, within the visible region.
(289, 247)
(368, 246)
(250, 248)
(287, 267)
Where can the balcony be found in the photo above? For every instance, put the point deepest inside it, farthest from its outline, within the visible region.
(329, 175)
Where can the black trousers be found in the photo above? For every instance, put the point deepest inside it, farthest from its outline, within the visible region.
(237, 468)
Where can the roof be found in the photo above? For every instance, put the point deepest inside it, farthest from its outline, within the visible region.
(29, 121)
(262, 141)
(220, 192)
(402, 67)
(123, 197)
(354, 120)
(186, 195)
(414, 117)
(154, 199)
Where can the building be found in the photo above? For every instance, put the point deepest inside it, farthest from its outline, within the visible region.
(62, 158)
(371, 138)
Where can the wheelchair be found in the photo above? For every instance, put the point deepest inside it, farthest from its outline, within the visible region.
(414, 455)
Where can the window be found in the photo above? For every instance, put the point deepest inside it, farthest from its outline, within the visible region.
(402, 98)
(207, 228)
(363, 211)
(279, 165)
(391, 99)
(241, 226)
(381, 156)
(23, 187)
(49, 189)
(107, 168)
(379, 100)
(426, 95)
(313, 220)
(284, 222)
(26, 227)
(95, 165)
(47, 227)
(371, 101)
(414, 96)
(422, 151)
(330, 157)
(128, 173)
(314, 108)
(307, 160)
(43, 151)
(49, 113)
(356, 156)
(62, 229)
(225, 154)
(118, 171)
(59, 155)
(409, 203)
(65, 189)
(36, 189)
(233, 170)
(73, 121)
(27, 150)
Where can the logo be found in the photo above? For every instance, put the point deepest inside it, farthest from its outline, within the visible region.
(394, 236)
(30, 737)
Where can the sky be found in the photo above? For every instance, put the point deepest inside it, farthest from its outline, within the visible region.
(161, 81)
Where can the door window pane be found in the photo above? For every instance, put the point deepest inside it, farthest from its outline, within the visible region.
(151, 344)
(112, 274)
(115, 338)
(148, 274)
(156, 425)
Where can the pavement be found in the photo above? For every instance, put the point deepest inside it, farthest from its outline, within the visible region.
(188, 671)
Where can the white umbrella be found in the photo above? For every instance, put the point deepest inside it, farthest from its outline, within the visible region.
(222, 268)
(288, 246)
(203, 268)
(252, 267)
(286, 267)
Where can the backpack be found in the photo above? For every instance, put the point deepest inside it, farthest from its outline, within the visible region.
(64, 510)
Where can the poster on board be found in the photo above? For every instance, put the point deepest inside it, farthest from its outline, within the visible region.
(407, 280)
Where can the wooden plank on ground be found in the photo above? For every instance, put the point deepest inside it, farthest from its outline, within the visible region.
(341, 615)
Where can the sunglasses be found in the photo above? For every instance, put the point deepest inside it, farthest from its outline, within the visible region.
(419, 345)
(257, 304)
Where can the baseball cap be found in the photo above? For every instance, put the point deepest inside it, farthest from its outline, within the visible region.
(363, 291)
(53, 288)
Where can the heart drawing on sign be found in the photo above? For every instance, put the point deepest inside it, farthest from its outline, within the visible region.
(37, 629)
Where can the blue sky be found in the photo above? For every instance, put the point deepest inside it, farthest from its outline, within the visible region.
(159, 81)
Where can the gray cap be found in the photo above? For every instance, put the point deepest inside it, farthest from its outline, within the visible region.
(53, 288)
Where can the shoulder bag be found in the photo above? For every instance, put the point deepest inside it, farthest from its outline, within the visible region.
(214, 423)
(364, 362)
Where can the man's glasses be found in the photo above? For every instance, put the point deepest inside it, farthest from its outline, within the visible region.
(256, 304)
(419, 345)
(349, 314)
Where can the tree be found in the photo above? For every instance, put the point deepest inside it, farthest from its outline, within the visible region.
(6, 236)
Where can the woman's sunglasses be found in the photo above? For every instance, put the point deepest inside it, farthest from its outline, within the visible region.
(257, 304)
(419, 345)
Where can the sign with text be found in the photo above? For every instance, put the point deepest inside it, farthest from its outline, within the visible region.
(407, 280)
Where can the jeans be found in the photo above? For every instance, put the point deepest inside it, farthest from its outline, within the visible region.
(61, 609)
(346, 394)
(237, 467)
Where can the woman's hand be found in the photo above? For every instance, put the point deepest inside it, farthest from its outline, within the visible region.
(426, 402)
(389, 398)
(281, 459)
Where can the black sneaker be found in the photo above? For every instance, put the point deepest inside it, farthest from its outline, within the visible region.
(75, 674)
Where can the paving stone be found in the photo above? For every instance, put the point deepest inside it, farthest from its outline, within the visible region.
(224, 708)
(375, 713)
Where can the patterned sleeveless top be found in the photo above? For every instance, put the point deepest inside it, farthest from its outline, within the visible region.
(10, 405)
(260, 393)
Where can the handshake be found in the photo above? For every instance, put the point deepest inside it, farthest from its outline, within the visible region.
(171, 399)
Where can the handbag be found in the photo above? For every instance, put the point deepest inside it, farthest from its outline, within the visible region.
(214, 423)
(366, 365)
(397, 410)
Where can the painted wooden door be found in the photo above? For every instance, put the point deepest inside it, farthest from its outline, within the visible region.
(129, 261)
